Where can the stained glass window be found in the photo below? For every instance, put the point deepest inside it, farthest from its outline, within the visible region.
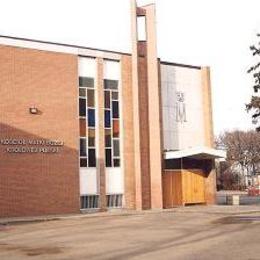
(112, 123)
(87, 122)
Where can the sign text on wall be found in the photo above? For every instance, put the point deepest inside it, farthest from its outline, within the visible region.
(13, 145)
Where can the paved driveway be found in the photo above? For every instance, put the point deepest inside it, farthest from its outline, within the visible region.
(219, 232)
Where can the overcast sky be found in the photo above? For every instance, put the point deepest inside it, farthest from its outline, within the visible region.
(216, 33)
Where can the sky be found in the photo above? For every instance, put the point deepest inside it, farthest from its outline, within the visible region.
(215, 33)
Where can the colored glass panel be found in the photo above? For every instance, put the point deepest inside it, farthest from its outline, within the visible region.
(86, 82)
(116, 149)
(83, 162)
(116, 162)
(91, 157)
(82, 107)
(110, 84)
(108, 158)
(107, 118)
(115, 128)
(91, 98)
(115, 95)
(91, 137)
(108, 138)
(82, 92)
(83, 147)
(82, 127)
(107, 99)
(115, 109)
(91, 117)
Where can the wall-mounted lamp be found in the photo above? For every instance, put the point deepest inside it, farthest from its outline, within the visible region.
(33, 110)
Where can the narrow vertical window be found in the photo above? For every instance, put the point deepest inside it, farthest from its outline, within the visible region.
(112, 123)
(87, 122)
(141, 28)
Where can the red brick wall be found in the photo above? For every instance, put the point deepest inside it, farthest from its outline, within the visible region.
(38, 183)
(144, 133)
(128, 126)
(129, 170)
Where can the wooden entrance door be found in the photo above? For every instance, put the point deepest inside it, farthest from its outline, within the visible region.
(193, 186)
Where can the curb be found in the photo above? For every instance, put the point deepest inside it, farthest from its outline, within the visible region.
(219, 210)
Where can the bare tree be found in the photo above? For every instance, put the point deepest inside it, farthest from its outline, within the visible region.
(254, 104)
(243, 152)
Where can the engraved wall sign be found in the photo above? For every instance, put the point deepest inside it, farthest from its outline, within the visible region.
(19, 145)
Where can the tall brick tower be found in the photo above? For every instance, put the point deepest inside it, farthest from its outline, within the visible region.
(146, 98)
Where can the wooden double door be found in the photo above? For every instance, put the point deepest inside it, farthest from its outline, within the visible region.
(182, 187)
(193, 186)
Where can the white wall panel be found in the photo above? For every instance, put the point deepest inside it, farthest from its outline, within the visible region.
(182, 135)
(87, 67)
(88, 181)
(114, 181)
(112, 70)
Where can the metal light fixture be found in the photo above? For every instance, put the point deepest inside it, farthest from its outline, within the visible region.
(33, 110)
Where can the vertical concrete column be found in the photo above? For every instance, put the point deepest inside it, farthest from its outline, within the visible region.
(136, 109)
(154, 110)
(100, 138)
(210, 181)
(207, 106)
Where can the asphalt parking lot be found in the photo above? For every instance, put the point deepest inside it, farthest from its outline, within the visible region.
(217, 232)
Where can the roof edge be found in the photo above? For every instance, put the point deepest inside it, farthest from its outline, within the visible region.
(190, 152)
(62, 44)
(181, 65)
(93, 49)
